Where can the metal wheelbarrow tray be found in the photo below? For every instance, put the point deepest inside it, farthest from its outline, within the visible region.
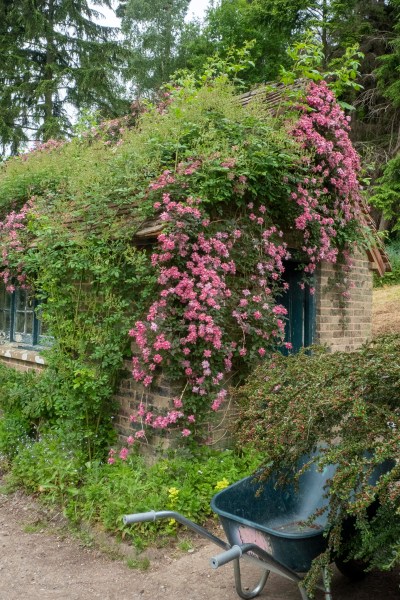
(268, 525)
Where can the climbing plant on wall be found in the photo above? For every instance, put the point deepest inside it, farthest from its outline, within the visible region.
(222, 185)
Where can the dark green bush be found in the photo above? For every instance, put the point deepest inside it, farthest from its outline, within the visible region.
(393, 276)
(349, 403)
(16, 423)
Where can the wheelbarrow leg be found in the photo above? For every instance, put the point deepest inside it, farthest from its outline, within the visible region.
(327, 583)
(238, 583)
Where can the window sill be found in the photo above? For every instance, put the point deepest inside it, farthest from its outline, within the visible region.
(22, 354)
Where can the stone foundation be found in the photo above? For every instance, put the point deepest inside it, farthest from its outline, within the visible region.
(20, 358)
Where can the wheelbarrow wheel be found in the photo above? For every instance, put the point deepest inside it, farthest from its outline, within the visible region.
(352, 569)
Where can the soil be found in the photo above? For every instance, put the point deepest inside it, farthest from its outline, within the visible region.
(40, 560)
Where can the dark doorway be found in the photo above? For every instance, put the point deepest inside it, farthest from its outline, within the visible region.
(299, 303)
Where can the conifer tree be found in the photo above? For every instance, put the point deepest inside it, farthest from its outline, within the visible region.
(56, 60)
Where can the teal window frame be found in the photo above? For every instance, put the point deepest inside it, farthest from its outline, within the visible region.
(19, 323)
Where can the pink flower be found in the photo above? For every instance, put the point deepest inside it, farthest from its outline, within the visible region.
(186, 432)
(261, 351)
(123, 453)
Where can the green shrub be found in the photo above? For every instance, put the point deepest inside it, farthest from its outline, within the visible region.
(16, 420)
(14, 429)
(349, 403)
(48, 466)
(182, 484)
(393, 276)
(100, 494)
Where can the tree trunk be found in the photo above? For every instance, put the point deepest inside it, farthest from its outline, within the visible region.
(49, 75)
(324, 33)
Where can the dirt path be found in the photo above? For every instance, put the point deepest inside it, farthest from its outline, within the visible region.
(39, 562)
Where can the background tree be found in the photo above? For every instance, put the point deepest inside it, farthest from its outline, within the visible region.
(55, 60)
(152, 28)
(271, 23)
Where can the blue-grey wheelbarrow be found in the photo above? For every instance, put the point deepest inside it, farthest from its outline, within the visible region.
(268, 524)
(280, 528)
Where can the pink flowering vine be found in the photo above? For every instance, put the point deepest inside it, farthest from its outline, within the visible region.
(209, 317)
(13, 248)
(329, 196)
(185, 327)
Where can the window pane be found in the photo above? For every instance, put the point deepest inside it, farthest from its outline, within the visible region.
(5, 302)
(43, 328)
(2, 325)
(21, 299)
(20, 323)
(29, 323)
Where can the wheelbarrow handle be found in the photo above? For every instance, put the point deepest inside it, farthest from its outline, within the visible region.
(225, 557)
(151, 515)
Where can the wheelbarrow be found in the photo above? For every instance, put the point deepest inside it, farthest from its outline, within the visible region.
(270, 525)
(280, 528)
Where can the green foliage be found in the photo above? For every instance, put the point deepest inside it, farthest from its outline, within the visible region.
(181, 483)
(309, 62)
(347, 406)
(391, 277)
(386, 192)
(152, 29)
(50, 466)
(232, 23)
(100, 494)
(18, 420)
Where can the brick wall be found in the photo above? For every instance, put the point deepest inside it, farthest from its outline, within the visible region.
(159, 397)
(346, 327)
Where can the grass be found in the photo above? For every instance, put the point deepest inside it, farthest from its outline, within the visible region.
(37, 527)
(386, 310)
